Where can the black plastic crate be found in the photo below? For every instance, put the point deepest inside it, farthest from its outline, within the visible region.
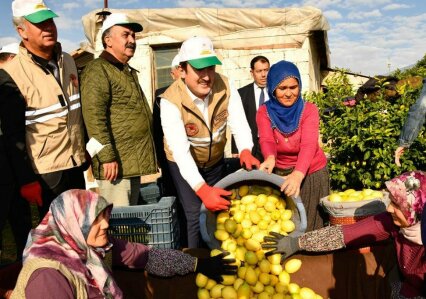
(153, 224)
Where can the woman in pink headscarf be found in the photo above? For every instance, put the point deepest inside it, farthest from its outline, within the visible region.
(401, 222)
(64, 255)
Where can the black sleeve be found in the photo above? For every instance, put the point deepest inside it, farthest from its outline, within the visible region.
(12, 121)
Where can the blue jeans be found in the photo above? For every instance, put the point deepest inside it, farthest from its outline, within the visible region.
(415, 120)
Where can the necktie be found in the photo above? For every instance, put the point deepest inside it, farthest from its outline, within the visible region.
(262, 96)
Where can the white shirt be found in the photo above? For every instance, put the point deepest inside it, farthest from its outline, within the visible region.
(177, 140)
(257, 91)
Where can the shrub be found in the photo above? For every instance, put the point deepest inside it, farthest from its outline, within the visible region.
(361, 140)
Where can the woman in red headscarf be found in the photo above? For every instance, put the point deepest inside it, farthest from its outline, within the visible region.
(401, 222)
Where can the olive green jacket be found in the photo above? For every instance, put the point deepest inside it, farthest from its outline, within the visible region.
(116, 114)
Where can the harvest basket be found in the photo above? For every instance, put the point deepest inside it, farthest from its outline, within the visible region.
(345, 213)
(254, 177)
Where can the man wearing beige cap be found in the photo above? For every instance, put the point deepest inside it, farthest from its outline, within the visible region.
(40, 109)
(195, 112)
(117, 115)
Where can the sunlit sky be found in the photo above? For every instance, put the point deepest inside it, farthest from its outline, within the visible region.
(368, 37)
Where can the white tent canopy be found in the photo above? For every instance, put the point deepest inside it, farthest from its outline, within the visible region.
(229, 28)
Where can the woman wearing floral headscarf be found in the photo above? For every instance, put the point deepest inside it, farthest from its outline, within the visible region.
(401, 222)
(288, 136)
(65, 253)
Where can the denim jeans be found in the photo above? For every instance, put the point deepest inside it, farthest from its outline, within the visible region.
(415, 120)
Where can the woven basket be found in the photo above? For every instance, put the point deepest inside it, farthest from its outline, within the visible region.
(343, 213)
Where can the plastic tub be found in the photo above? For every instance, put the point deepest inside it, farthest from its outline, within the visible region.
(254, 177)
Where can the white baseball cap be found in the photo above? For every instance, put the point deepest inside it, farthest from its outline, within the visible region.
(120, 19)
(198, 52)
(175, 61)
(34, 11)
(12, 48)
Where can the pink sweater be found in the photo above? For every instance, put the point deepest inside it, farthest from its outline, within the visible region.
(300, 149)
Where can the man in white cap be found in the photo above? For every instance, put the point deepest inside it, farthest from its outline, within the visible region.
(117, 114)
(40, 109)
(8, 52)
(195, 112)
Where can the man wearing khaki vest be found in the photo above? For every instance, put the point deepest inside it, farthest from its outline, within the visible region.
(40, 108)
(195, 111)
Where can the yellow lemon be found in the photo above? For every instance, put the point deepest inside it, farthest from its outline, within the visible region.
(201, 280)
(203, 294)
(293, 265)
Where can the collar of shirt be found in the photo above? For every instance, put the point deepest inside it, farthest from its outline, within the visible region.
(114, 61)
(202, 104)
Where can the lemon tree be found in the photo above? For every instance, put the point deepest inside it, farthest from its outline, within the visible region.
(361, 140)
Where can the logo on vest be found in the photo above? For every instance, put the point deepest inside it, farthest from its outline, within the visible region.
(191, 129)
(74, 80)
(221, 117)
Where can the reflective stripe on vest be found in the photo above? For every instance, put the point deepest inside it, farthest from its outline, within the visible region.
(48, 113)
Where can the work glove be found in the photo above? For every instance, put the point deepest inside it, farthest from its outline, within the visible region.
(32, 193)
(216, 266)
(285, 245)
(212, 197)
(247, 159)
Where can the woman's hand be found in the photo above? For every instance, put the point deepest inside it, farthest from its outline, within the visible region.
(292, 182)
(268, 165)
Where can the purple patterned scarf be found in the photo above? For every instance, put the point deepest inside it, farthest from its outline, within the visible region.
(409, 192)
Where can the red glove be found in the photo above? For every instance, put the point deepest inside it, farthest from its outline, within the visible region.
(247, 158)
(212, 197)
(32, 193)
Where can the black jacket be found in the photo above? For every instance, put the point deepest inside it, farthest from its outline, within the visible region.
(15, 165)
(249, 104)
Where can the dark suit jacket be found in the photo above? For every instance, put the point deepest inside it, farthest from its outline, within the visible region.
(249, 104)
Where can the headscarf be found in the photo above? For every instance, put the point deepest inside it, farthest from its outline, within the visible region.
(409, 193)
(285, 119)
(62, 235)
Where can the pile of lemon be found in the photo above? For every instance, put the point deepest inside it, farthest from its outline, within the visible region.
(351, 195)
(241, 230)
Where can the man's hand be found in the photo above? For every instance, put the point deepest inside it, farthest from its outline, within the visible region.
(398, 153)
(216, 266)
(110, 171)
(292, 182)
(32, 193)
(268, 165)
(285, 245)
(247, 159)
(212, 197)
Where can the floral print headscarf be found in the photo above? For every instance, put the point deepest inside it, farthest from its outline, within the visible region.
(409, 193)
(62, 235)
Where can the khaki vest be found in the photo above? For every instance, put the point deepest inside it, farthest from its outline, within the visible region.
(207, 145)
(54, 124)
(76, 282)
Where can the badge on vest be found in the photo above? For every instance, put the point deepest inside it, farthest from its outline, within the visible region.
(74, 80)
(223, 116)
(191, 129)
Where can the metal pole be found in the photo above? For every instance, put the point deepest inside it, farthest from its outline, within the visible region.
(105, 3)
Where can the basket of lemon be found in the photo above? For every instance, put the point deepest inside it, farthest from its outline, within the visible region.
(257, 207)
(350, 206)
